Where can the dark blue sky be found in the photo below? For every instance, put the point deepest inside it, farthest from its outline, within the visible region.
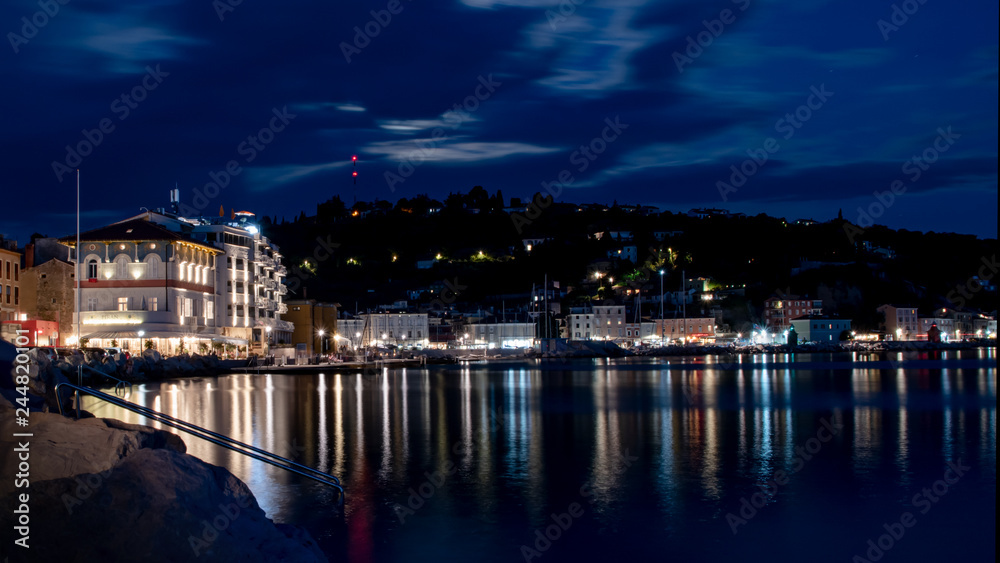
(533, 81)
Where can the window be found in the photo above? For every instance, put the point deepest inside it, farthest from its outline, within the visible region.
(121, 267)
(17, 272)
(123, 303)
(153, 304)
(91, 303)
(17, 298)
(153, 269)
(188, 307)
(8, 269)
(92, 269)
(209, 308)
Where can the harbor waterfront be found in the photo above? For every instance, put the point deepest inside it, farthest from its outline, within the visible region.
(805, 457)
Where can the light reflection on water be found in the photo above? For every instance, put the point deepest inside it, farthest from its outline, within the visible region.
(502, 447)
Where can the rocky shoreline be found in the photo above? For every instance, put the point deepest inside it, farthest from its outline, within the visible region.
(103, 490)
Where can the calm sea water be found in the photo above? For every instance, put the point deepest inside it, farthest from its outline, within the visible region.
(777, 458)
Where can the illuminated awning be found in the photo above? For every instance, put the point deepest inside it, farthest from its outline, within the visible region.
(117, 335)
(230, 340)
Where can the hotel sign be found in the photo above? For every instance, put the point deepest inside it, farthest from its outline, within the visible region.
(114, 317)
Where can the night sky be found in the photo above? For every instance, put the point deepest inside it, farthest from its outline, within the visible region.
(502, 94)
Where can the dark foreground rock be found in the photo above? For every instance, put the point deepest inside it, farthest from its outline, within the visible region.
(103, 490)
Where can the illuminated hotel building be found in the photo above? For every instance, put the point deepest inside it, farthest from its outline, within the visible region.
(189, 285)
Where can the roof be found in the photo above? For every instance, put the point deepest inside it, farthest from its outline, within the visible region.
(134, 230)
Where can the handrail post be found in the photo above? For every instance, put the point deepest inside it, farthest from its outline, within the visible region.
(79, 382)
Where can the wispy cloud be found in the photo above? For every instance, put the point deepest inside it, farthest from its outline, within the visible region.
(453, 151)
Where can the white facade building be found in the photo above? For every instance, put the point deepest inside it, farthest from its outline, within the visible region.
(580, 326)
(400, 329)
(501, 335)
(183, 285)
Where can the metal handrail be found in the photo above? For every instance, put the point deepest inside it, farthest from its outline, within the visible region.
(210, 436)
(121, 383)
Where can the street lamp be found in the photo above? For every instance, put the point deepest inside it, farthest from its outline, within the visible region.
(899, 334)
(661, 307)
(322, 342)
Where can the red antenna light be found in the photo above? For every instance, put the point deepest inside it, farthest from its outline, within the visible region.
(354, 159)
(355, 177)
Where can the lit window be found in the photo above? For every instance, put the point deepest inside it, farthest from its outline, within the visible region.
(123, 303)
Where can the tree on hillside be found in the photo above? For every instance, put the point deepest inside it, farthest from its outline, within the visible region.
(454, 202)
(478, 198)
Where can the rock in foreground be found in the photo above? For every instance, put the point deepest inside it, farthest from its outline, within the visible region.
(135, 496)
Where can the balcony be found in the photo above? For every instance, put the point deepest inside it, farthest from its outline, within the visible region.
(280, 270)
(282, 290)
(282, 308)
(270, 284)
(265, 261)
